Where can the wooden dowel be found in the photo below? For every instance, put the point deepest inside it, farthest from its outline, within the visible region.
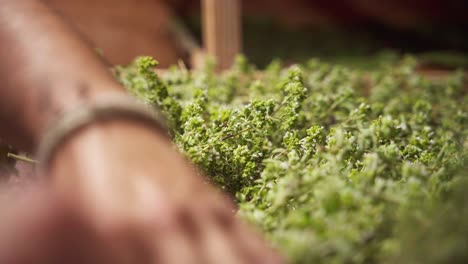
(222, 30)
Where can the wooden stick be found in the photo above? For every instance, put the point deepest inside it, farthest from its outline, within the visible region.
(222, 30)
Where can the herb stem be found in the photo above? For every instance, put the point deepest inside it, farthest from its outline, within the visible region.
(22, 158)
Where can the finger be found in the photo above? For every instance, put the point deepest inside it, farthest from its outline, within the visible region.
(176, 247)
(130, 244)
(218, 248)
(215, 237)
(179, 243)
(246, 243)
(253, 247)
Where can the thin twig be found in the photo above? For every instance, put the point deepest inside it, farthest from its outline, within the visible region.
(22, 158)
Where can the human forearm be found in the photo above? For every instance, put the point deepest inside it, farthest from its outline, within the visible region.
(45, 69)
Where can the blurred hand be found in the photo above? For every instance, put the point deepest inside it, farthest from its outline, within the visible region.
(136, 200)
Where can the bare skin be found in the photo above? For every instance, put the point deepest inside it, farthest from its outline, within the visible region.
(117, 192)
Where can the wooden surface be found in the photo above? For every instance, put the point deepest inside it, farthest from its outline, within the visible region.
(222, 30)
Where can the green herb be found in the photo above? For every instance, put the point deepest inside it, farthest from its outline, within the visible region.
(335, 165)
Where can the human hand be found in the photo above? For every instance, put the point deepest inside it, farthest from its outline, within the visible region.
(143, 197)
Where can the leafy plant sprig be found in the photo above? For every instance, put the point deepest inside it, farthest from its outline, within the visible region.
(331, 171)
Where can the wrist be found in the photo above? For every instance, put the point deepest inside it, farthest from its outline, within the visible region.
(102, 109)
(52, 105)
